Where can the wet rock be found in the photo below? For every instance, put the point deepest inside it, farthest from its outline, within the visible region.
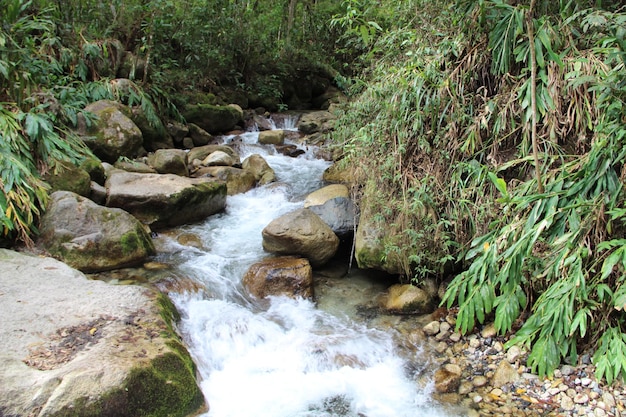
(432, 328)
(407, 299)
(90, 237)
(258, 166)
(301, 232)
(447, 378)
(272, 137)
(286, 276)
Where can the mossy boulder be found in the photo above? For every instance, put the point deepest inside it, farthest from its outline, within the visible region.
(69, 177)
(214, 119)
(90, 237)
(113, 134)
(165, 200)
(155, 135)
(88, 348)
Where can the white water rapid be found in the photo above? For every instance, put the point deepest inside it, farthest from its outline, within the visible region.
(285, 358)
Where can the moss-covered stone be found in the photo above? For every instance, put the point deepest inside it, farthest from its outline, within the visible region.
(213, 119)
(69, 177)
(94, 168)
(163, 387)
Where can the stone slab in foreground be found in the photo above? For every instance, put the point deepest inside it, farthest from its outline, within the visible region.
(74, 346)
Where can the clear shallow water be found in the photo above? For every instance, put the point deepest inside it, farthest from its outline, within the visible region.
(285, 358)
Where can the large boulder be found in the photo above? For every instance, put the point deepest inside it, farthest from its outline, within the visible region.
(237, 180)
(90, 237)
(169, 161)
(316, 121)
(284, 275)
(165, 200)
(258, 166)
(213, 119)
(72, 346)
(113, 134)
(369, 245)
(301, 232)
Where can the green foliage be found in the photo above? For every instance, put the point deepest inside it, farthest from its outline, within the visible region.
(443, 128)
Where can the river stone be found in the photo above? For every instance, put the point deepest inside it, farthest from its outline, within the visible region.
(113, 134)
(199, 136)
(219, 158)
(72, 346)
(90, 237)
(272, 137)
(165, 200)
(285, 275)
(301, 232)
(407, 299)
(504, 374)
(169, 161)
(258, 166)
(448, 379)
(237, 180)
(201, 152)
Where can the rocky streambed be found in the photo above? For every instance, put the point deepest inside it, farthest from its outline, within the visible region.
(477, 372)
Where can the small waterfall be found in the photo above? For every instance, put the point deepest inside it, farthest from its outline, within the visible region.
(287, 358)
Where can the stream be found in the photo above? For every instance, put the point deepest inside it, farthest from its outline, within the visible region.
(285, 357)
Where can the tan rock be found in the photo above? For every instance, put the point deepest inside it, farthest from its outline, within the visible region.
(286, 275)
(319, 197)
(406, 299)
(301, 232)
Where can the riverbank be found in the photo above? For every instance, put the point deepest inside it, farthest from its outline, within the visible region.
(480, 374)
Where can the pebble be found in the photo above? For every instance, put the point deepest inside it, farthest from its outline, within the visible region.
(496, 382)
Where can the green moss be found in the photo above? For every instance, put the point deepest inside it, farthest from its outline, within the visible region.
(69, 178)
(213, 119)
(132, 241)
(165, 387)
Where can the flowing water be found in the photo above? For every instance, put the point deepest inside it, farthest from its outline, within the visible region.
(284, 357)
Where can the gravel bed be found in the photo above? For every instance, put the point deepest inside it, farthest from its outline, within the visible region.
(476, 371)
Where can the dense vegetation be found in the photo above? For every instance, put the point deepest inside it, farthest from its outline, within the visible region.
(489, 136)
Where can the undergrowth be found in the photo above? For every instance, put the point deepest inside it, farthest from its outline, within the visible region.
(444, 129)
